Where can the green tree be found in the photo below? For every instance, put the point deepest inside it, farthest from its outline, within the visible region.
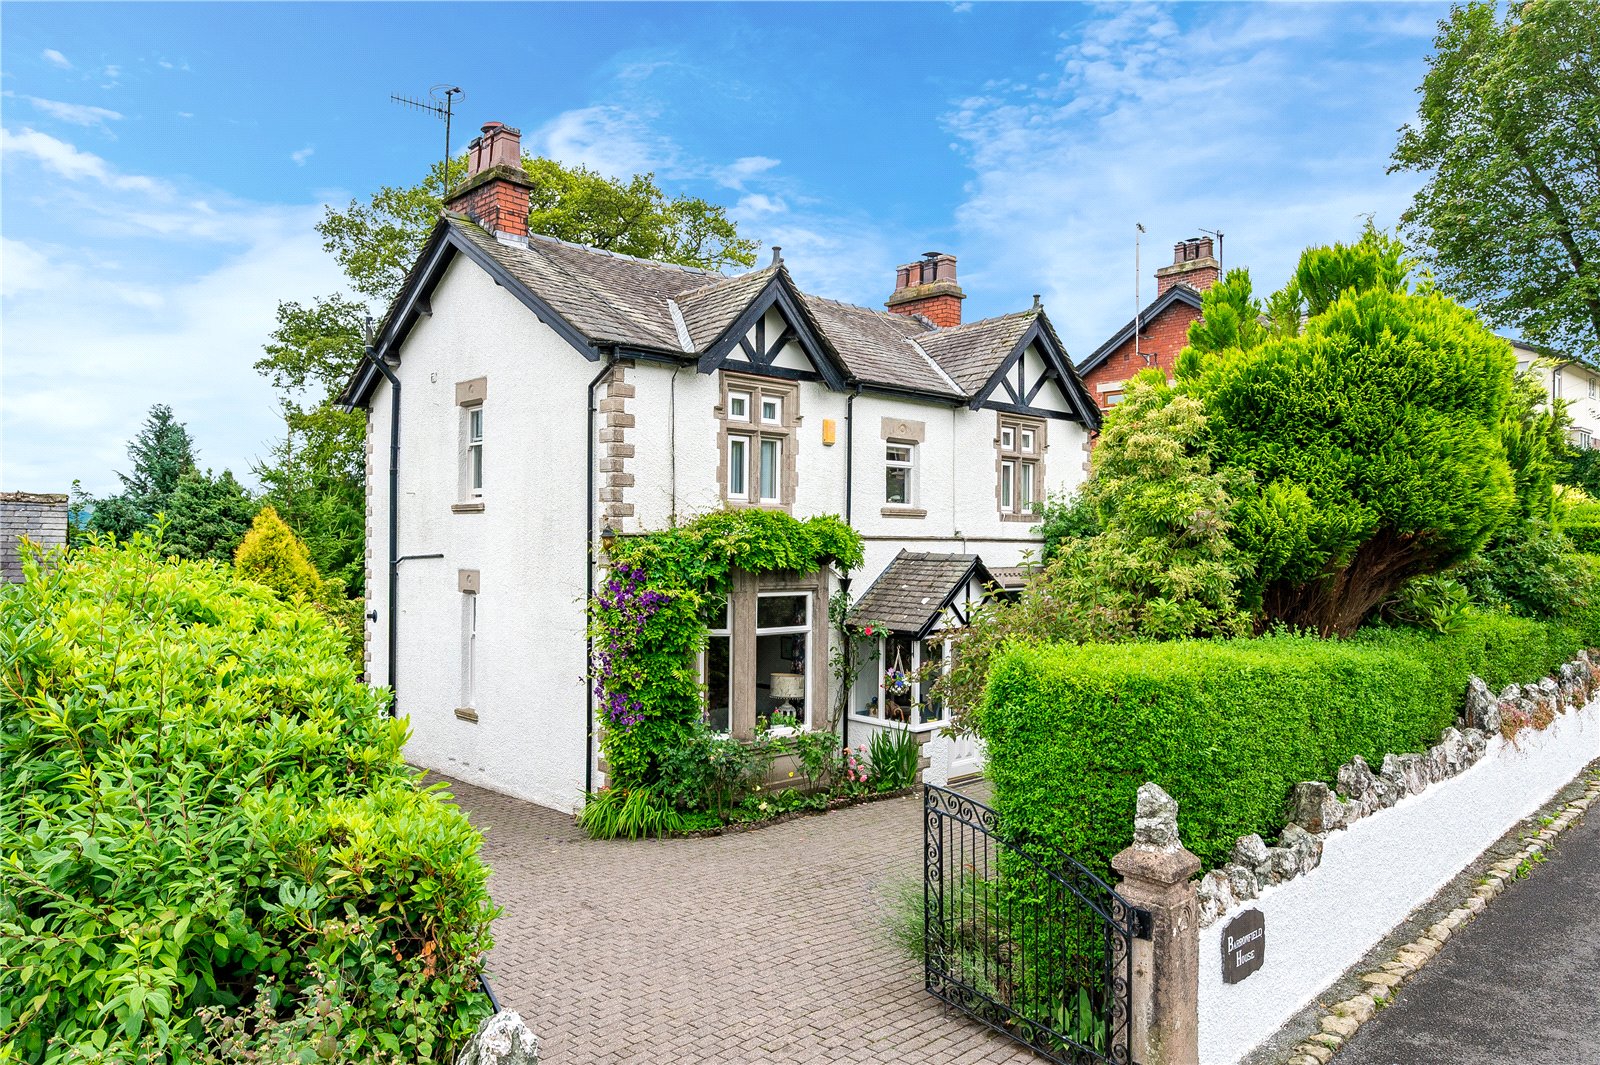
(207, 516)
(161, 454)
(1508, 132)
(315, 476)
(271, 554)
(1373, 434)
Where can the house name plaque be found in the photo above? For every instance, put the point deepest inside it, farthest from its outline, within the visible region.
(1244, 945)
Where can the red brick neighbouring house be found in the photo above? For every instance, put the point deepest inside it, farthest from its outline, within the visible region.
(1163, 323)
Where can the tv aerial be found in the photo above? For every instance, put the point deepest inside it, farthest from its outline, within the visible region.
(440, 104)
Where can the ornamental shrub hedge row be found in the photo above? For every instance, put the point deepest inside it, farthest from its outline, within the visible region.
(1227, 727)
(209, 844)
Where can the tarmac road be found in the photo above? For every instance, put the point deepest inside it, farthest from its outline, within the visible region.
(1521, 984)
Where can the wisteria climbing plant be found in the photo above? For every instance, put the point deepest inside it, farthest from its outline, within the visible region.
(647, 627)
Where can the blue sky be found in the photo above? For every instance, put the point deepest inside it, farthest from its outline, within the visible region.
(164, 164)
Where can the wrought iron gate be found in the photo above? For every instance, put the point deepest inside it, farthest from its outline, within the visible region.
(1024, 938)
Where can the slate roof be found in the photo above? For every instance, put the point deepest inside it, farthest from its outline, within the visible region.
(607, 299)
(881, 347)
(971, 353)
(708, 311)
(911, 591)
(1012, 578)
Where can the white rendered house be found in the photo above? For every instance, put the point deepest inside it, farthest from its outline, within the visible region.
(1568, 379)
(526, 397)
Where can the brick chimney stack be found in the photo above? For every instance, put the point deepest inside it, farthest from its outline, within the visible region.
(929, 288)
(1192, 265)
(496, 192)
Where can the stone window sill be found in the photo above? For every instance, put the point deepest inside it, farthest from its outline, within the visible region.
(903, 512)
(466, 713)
(474, 507)
(1031, 519)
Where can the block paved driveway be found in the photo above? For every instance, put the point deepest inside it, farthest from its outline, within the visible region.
(763, 946)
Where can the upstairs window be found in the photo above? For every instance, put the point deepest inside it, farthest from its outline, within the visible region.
(899, 467)
(470, 396)
(758, 419)
(475, 450)
(1019, 466)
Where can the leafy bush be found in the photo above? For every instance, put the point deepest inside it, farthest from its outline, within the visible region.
(1227, 727)
(1581, 524)
(712, 772)
(629, 813)
(894, 754)
(197, 794)
(1531, 570)
(1375, 432)
(1435, 603)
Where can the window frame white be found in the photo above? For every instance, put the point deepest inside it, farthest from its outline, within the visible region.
(916, 722)
(743, 399)
(776, 402)
(474, 455)
(739, 469)
(908, 464)
(776, 444)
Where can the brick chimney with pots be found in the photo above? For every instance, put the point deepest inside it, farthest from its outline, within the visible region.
(496, 192)
(1192, 265)
(929, 288)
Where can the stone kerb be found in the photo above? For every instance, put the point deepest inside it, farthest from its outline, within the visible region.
(1156, 874)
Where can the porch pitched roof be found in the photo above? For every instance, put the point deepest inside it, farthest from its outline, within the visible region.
(915, 588)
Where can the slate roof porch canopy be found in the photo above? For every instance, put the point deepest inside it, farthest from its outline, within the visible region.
(910, 596)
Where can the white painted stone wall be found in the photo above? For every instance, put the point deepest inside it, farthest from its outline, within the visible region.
(527, 545)
(1374, 873)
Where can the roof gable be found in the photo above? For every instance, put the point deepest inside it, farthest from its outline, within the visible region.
(1176, 294)
(747, 339)
(1020, 379)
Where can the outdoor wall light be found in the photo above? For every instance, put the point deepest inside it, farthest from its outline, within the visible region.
(608, 538)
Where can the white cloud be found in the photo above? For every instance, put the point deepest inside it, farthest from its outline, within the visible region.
(1243, 121)
(55, 58)
(132, 295)
(615, 141)
(69, 162)
(302, 155)
(961, 8)
(743, 169)
(76, 114)
(755, 203)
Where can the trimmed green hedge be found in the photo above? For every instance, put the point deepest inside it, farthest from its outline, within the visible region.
(1227, 727)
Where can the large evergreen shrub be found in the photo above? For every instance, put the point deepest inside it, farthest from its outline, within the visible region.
(198, 799)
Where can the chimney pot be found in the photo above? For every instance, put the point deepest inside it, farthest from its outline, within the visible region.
(1193, 264)
(927, 289)
(495, 193)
